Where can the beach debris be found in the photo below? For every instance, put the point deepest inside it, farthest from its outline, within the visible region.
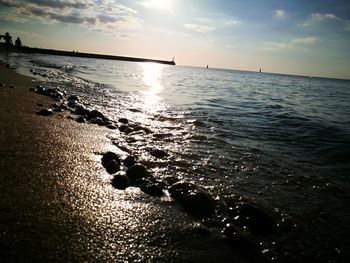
(111, 162)
(45, 112)
(120, 181)
(158, 153)
(194, 199)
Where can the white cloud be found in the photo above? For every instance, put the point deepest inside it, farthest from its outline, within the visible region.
(291, 44)
(199, 28)
(280, 13)
(327, 19)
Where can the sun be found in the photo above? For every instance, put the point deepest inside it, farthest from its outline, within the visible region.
(160, 4)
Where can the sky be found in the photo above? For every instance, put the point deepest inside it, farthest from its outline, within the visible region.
(301, 37)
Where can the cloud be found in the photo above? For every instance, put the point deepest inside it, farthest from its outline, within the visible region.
(104, 15)
(291, 44)
(280, 13)
(329, 19)
(199, 28)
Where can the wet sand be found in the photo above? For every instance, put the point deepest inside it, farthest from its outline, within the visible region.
(57, 203)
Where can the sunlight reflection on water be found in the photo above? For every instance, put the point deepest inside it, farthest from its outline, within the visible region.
(152, 78)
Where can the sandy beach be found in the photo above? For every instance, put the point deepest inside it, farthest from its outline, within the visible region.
(57, 203)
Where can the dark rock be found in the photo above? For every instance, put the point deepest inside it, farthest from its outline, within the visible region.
(129, 161)
(149, 187)
(107, 157)
(136, 172)
(81, 110)
(135, 110)
(236, 237)
(158, 153)
(45, 112)
(73, 104)
(253, 217)
(70, 117)
(170, 180)
(96, 114)
(120, 181)
(97, 121)
(194, 199)
(112, 166)
(123, 120)
(41, 105)
(73, 97)
(111, 126)
(80, 119)
(141, 128)
(125, 129)
(12, 87)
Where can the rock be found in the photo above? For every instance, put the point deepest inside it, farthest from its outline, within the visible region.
(194, 199)
(158, 153)
(41, 105)
(123, 120)
(73, 97)
(111, 126)
(149, 187)
(129, 161)
(237, 238)
(125, 129)
(45, 112)
(136, 172)
(137, 127)
(134, 110)
(97, 121)
(81, 110)
(112, 166)
(96, 114)
(120, 181)
(73, 104)
(109, 156)
(80, 119)
(170, 180)
(12, 87)
(256, 219)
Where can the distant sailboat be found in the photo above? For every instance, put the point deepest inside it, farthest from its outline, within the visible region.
(260, 70)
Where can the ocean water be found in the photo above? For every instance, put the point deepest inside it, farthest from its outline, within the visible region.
(281, 141)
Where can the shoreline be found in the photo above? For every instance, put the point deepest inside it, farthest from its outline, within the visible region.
(57, 203)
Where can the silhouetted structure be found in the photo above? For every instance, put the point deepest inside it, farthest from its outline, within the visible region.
(18, 44)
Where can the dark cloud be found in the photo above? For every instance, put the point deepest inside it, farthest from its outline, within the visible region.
(72, 19)
(8, 3)
(58, 4)
(106, 19)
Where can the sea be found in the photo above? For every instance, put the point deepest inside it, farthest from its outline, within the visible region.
(281, 141)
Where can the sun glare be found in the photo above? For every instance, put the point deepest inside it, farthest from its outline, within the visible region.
(160, 4)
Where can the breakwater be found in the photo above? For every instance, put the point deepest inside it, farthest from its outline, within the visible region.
(29, 50)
